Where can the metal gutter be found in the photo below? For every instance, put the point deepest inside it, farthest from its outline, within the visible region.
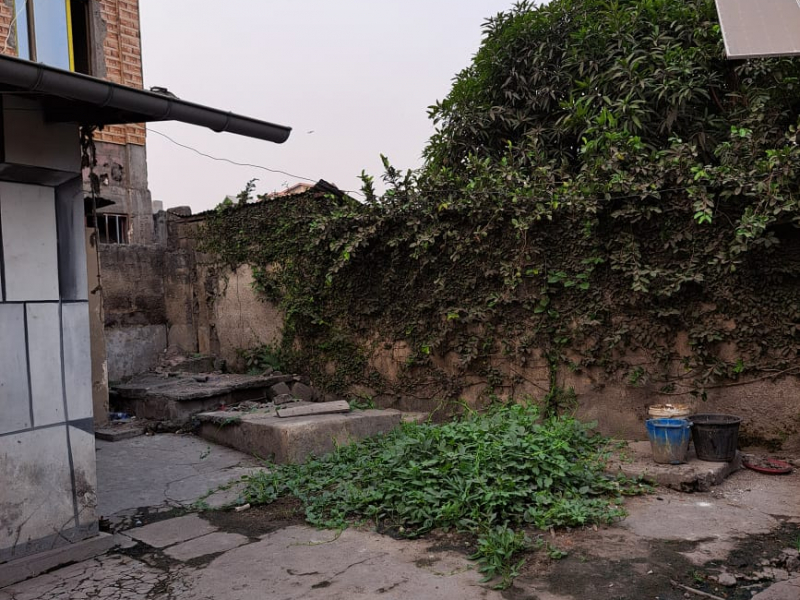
(110, 101)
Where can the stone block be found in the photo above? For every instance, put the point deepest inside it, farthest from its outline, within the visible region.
(293, 440)
(278, 389)
(213, 543)
(283, 399)
(14, 393)
(172, 531)
(28, 215)
(77, 360)
(303, 392)
(44, 355)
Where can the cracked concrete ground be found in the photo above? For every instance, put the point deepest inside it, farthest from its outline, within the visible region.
(668, 536)
(164, 472)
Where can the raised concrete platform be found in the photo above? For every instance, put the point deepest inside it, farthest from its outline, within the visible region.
(636, 460)
(175, 399)
(291, 440)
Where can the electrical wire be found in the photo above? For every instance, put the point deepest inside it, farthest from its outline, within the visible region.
(241, 164)
(228, 160)
(652, 193)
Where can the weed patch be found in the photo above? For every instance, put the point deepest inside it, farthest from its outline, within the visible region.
(492, 474)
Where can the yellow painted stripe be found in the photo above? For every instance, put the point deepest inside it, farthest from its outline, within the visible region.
(69, 36)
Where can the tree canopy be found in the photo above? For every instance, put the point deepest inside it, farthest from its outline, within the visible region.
(601, 179)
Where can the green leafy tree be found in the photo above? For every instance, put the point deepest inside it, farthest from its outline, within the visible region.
(601, 178)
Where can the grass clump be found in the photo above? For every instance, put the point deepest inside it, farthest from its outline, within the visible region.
(490, 475)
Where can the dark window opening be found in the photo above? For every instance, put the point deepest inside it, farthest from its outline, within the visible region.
(82, 62)
(111, 229)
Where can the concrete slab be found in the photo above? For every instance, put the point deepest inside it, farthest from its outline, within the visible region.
(213, 543)
(163, 471)
(172, 531)
(293, 440)
(636, 460)
(712, 522)
(299, 562)
(177, 398)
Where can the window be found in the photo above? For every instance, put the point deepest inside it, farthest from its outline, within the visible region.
(111, 229)
(54, 32)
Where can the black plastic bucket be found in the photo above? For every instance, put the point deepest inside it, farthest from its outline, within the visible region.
(715, 436)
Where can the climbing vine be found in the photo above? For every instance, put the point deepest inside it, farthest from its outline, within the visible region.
(601, 181)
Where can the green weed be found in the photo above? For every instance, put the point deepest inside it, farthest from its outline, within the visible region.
(491, 475)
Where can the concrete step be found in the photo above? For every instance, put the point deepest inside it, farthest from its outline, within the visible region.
(263, 434)
(636, 460)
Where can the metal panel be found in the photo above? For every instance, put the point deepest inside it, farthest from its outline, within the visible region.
(761, 28)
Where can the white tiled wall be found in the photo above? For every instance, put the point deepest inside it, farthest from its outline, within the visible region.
(14, 406)
(77, 360)
(47, 457)
(44, 355)
(28, 215)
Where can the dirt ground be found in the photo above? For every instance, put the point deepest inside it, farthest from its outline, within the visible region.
(736, 542)
(616, 562)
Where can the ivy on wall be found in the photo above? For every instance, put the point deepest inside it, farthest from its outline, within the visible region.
(601, 181)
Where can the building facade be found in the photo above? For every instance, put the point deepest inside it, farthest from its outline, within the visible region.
(67, 67)
(101, 38)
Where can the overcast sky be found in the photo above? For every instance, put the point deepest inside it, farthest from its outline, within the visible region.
(353, 78)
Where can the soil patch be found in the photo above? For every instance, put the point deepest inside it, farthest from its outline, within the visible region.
(607, 564)
(259, 520)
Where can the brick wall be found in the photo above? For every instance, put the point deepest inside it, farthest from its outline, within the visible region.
(122, 56)
(7, 43)
(123, 61)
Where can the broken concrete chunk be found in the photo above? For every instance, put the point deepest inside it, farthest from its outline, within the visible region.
(304, 392)
(726, 579)
(278, 389)
(284, 399)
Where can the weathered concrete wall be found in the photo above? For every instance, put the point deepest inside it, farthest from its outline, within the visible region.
(135, 310)
(768, 407)
(213, 310)
(133, 350)
(122, 171)
(240, 318)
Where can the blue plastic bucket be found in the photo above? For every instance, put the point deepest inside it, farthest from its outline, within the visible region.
(669, 439)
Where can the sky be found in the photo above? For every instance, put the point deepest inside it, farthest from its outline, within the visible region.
(353, 78)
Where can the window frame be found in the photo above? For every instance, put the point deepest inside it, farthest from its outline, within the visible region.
(120, 223)
(27, 9)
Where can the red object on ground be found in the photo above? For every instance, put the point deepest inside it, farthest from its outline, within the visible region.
(770, 466)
